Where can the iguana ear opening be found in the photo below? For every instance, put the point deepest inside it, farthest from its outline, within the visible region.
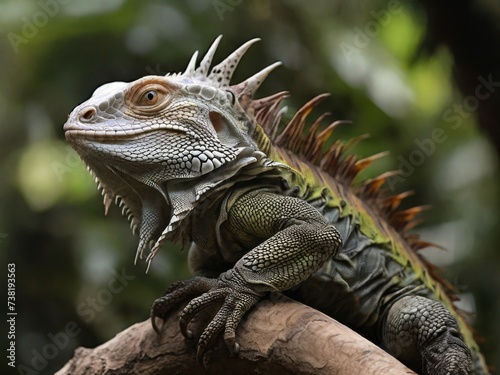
(227, 133)
(216, 119)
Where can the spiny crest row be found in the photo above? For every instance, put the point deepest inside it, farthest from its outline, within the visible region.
(335, 161)
(221, 74)
(338, 163)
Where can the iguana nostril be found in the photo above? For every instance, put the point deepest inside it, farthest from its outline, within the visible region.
(87, 114)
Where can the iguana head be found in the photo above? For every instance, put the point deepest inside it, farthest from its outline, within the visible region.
(155, 145)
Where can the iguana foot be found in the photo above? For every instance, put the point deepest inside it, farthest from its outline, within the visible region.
(175, 294)
(423, 334)
(448, 355)
(233, 298)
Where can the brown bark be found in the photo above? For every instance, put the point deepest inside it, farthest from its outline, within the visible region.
(278, 336)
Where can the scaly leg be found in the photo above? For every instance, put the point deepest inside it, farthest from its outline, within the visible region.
(295, 241)
(424, 335)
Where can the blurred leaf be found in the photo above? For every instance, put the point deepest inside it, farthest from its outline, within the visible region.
(49, 172)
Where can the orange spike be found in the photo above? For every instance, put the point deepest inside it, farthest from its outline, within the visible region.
(347, 169)
(330, 159)
(355, 140)
(276, 121)
(292, 132)
(412, 224)
(266, 117)
(419, 244)
(405, 219)
(394, 201)
(365, 162)
(372, 186)
(267, 111)
(413, 211)
(264, 103)
(325, 134)
(317, 149)
(311, 136)
(343, 169)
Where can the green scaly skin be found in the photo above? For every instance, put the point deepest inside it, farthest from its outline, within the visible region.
(189, 158)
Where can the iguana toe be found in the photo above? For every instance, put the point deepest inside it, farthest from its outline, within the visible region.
(232, 302)
(176, 293)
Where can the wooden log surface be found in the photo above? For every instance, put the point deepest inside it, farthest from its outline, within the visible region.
(278, 336)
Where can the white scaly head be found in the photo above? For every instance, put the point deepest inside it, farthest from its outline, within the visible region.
(149, 142)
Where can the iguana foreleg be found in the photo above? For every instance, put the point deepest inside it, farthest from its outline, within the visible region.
(295, 241)
(420, 331)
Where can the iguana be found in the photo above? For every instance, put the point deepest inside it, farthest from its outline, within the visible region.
(194, 159)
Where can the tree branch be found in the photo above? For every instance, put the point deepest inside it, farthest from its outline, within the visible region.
(278, 336)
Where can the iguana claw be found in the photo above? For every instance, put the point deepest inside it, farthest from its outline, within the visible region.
(155, 325)
(236, 301)
(176, 293)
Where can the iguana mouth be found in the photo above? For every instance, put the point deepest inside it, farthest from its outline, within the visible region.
(72, 132)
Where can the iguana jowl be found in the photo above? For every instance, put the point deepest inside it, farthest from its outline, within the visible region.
(196, 160)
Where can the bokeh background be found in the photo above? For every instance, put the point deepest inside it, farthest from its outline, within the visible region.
(422, 77)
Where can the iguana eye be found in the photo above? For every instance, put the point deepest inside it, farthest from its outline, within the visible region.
(150, 97)
(230, 97)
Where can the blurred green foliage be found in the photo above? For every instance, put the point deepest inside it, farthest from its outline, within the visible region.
(54, 53)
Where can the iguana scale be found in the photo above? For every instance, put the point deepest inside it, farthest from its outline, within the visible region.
(196, 160)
